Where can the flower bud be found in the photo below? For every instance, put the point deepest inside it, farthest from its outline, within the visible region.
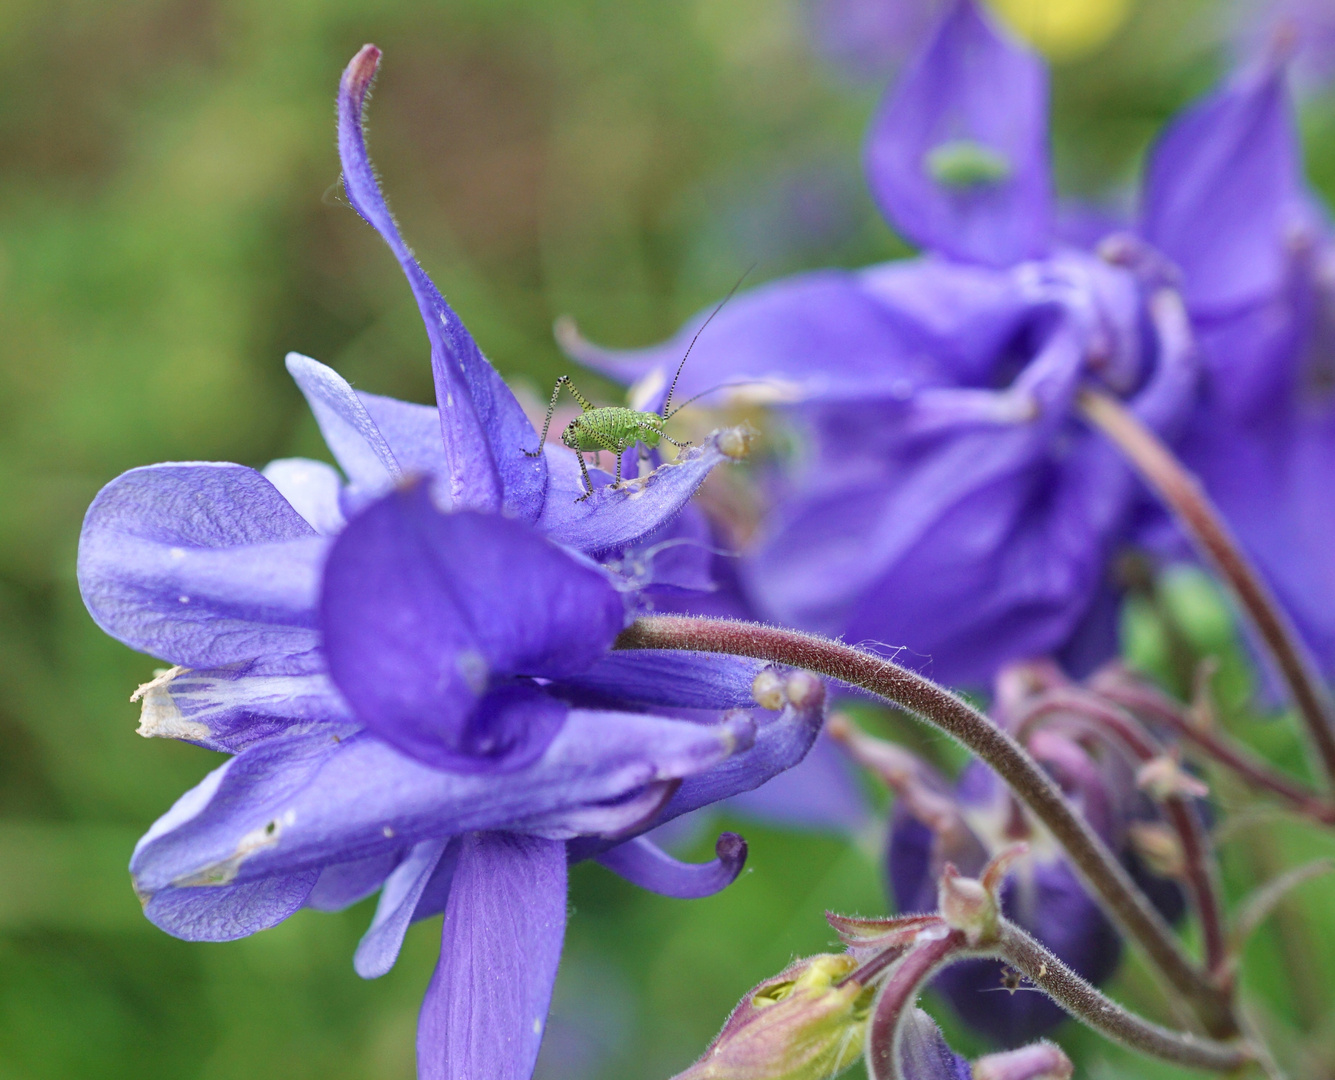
(1159, 847)
(800, 1025)
(966, 905)
(1164, 778)
(1039, 1061)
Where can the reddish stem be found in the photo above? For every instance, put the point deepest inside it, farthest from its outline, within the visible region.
(1199, 865)
(1183, 494)
(1101, 870)
(899, 994)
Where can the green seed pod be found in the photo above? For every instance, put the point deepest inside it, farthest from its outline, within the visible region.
(800, 1025)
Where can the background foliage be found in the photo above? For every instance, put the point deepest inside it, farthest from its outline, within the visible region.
(171, 224)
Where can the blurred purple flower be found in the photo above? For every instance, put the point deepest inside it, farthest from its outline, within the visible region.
(1303, 28)
(870, 38)
(421, 701)
(944, 496)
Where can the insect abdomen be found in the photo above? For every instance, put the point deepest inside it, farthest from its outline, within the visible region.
(611, 428)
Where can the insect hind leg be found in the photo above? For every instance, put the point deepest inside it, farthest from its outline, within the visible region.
(584, 403)
(584, 471)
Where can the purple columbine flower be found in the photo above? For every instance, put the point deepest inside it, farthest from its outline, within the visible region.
(944, 497)
(414, 672)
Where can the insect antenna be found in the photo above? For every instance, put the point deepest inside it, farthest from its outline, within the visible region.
(704, 393)
(667, 402)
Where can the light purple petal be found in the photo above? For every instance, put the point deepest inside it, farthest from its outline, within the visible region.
(412, 432)
(203, 564)
(957, 156)
(1223, 188)
(425, 614)
(821, 792)
(614, 518)
(343, 884)
(313, 488)
(288, 805)
(231, 708)
(485, 431)
(228, 912)
(356, 442)
(486, 1008)
(923, 1053)
(643, 863)
(380, 945)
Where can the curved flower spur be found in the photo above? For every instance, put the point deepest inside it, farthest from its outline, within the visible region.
(420, 700)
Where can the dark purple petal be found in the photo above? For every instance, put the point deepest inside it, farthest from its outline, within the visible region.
(425, 614)
(231, 708)
(957, 156)
(643, 863)
(655, 677)
(341, 885)
(202, 564)
(380, 945)
(356, 442)
(289, 805)
(486, 1008)
(228, 912)
(1223, 188)
(313, 489)
(485, 431)
(614, 518)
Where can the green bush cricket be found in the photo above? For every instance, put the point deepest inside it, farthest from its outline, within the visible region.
(616, 428)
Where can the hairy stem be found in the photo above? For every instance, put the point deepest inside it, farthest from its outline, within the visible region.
(1199, 865)
(1182, 493)
(1047, 972)
(898, 995)
(1227, 752)
(1105, 875)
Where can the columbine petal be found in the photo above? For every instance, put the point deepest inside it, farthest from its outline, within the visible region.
(312, 487)
(356, 442)
(641, 862)
(288, 805)
(1223, 188)
(342, 884)
(202, 564)
(923, 1052)
(957, 156)
(412, 432)
(485, 431)
(656, 677)
(424, 612)
(380, 945)
(486, 1008)
(228, 912)
(231, 708)
(615, 517)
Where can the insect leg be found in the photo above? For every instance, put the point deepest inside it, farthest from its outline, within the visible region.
(598, 458)
(617, 481)
(588, 484)
(547, 423)
(678, 445)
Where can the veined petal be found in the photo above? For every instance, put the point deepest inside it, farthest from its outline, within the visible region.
(380, 945)
(313, 489)
(353, 437)
(412, 432)
(288, 805)
(229, 911)
(641, 862)
(486, 1008)
(485, 431)
(203, 564)
(957, 156)
(1223, 188)
(426, 615)
(234, 707)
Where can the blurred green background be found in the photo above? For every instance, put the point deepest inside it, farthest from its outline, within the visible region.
(171, 224)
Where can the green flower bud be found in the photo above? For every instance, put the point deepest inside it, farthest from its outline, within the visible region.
(799, 1025)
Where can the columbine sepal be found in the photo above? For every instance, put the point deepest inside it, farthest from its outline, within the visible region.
(806, 1023)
